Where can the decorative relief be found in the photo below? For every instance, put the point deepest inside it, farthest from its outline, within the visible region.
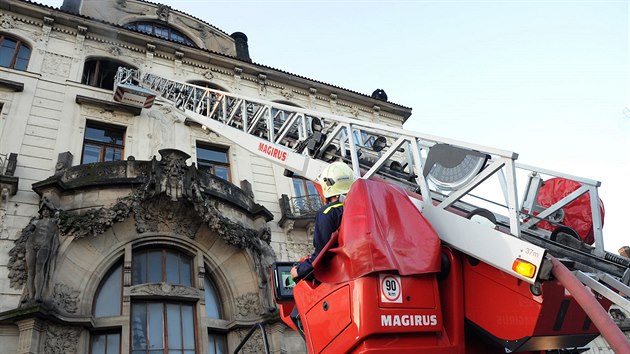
(56, 64)
(61, 339)
(247, 305)
(162, 214)
(164, 289)
(7, 21)
(286, 93)
(114, 50)
(65, 297)
(162, 12)
(255, 343)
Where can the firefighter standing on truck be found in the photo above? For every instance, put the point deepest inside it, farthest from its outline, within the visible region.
(335, 180)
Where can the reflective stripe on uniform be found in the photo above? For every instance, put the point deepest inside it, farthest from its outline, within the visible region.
(332, 206)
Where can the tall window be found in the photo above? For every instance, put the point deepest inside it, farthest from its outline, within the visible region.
(306, 197)
(162, 328)
(161, 31)
(100, 73)
(214, 160)
(102, 143)
(14, 53)
(109, 295)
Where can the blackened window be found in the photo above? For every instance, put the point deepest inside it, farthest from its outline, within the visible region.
(14, 53)
(161, 31)
(100, 73)
(214, 160)
(102, 143)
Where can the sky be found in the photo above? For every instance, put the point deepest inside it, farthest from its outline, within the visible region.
(545, 79)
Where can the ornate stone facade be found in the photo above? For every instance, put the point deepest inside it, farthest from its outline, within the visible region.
(95, 218)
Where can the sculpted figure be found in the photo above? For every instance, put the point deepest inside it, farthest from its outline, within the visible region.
(41, 246)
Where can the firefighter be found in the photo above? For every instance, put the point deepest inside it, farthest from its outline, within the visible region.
(335, 181)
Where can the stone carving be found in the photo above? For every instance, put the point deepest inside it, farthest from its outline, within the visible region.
(208, 74)
(61, 339)
(153, 208)
(66, 298)
(286, 93)
(56, 64)
(163, 11)
(247, 305)
(162, 214)
(7, 21)
(255, 343)
(93, 222)
(40, 251)
(263, 256)
(114, 50)
(165, 289)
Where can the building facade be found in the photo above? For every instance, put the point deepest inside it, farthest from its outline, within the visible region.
(134, 230)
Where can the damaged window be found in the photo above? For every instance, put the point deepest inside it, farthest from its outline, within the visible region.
(100, 73)
(102, 143)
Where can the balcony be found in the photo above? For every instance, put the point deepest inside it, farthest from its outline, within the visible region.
(299, 210)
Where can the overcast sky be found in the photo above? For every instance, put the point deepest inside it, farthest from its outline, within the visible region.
(546, 79)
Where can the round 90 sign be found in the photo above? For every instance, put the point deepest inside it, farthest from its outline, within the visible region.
(391, 289)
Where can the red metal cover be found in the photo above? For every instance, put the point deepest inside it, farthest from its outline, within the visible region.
(381, 230)
(577, 214)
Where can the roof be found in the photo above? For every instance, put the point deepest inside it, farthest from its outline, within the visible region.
(221, 54)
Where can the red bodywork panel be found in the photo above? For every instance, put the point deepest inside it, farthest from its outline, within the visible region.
(381, 230)
(469, 307)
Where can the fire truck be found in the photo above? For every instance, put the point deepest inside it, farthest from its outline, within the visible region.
(434, 254)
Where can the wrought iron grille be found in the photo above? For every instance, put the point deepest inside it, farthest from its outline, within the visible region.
(306, 205)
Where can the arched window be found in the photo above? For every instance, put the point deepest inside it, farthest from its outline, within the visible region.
(162, 31)
(161, 321)
(14, 54)
(100, 72)
(109, 294)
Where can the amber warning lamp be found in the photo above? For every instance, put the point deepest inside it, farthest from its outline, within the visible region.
(524, 268)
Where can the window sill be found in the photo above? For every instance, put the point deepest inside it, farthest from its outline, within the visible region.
(109, 105)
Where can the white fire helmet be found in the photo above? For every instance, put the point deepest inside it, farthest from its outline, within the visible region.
(336, 179)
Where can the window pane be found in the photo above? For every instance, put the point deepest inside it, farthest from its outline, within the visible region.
(98, 344)
(185, 271)
(174, 326)
(113, 154)
(298, 187)
(221, 171)
(154, 266)
(212, 154)
(91, 153)
(138, 274)
(172, 267)
(188, 327)
(310, 186)
(216, 344)
(138, 326)
(113, 343)
(6, 52)
(212, 301)
(109, 295)
(156, 326)
(20, 64)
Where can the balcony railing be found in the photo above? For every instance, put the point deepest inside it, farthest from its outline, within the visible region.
(301, 210)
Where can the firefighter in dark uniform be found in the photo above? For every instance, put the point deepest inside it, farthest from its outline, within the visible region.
(335, 180)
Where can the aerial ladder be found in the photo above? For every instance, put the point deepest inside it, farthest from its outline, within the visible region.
(495, 245)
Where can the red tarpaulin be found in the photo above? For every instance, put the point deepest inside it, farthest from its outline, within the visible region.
(577, 214)
(380, 230)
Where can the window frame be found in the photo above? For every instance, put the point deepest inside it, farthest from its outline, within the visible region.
(202, 164)
(165, 323)
(103, 145)
(163, 278)
(16, 51)
(96, 74)
(93, 334)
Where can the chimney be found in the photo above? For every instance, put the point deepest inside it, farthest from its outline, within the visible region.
(242, 49)
(72, 6)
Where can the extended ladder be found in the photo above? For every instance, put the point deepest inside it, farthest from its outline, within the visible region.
(443, 171)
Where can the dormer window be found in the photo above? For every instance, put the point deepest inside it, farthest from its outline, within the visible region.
(161, 31)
